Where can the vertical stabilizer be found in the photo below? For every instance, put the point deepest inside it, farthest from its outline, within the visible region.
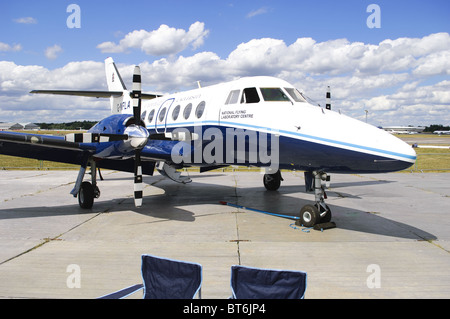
(113, 78)
(115, 83)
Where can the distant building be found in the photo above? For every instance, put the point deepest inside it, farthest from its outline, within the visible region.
(18, 126)
(404, 129)
(10, 126)
(31, 126)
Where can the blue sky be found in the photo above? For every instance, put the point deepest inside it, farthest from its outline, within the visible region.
(35, 33)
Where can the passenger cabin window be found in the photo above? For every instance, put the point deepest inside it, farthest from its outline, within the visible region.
(187, 111)
(295, 95)
(233, 98)
(151, 115)
(250, 95)
(162, 114)
(176, 112)
(274, 95)
(200, 109)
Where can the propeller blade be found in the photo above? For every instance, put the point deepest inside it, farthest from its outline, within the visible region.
(138, 186)
(94, 137)
(136, 94)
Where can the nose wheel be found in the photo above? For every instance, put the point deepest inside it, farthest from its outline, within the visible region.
(311, 215)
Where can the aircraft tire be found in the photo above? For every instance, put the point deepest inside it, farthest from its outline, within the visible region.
(86, 195)
(272, 181)
(309, 215)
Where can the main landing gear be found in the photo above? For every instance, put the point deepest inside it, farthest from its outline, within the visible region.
(311, 214)
(272, 181)
(86, 191)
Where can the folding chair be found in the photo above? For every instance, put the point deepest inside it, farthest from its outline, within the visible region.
(258, 283)
(165, 278)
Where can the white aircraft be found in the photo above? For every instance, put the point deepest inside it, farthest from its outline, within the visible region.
(441, 132)
(254, 121)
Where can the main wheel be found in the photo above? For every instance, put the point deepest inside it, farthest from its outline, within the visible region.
(309, 215)
(86, 195)
(272, 181)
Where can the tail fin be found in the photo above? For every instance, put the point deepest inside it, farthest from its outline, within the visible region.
(113, 78)
(115, 83)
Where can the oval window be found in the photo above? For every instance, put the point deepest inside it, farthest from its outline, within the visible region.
(187, 111)
(143, 116)
(162, 114)
(176, 112)
(200, 109)
(151, 115)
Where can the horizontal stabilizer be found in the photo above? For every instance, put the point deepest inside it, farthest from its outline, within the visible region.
(105, 94)
(97, 94)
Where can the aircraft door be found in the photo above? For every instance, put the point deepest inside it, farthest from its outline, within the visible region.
(161, 116)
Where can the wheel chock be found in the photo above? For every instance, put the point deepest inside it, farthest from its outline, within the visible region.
(323, 226)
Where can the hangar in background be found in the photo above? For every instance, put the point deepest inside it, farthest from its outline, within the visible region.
(18, 126)
(404, 129)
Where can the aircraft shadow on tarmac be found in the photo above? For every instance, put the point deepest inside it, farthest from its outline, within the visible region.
(166, 206)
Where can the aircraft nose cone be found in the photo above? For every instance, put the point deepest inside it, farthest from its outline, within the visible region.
(403, 156)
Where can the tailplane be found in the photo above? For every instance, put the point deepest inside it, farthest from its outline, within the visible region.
(120, 99)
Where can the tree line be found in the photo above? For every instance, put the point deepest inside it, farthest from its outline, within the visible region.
(77, 125)
(436, 127)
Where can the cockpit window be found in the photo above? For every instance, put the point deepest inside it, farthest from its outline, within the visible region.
(233, 97)
(250, 95)
(274, 95)
(295, 95)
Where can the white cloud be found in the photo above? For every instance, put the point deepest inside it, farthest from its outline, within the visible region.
(257, 12)
(402, 81)
(53, 52)
(26, 20)
(164, 41)
(4, 47)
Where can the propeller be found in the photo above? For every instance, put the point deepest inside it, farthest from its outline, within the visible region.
(136, 95)
(135, 136)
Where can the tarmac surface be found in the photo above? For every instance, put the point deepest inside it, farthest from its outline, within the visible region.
(391, 240)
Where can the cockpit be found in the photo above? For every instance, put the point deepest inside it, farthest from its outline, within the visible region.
(266, 94)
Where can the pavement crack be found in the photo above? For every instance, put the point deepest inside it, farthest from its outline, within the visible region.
(46, 240)
(236, 220)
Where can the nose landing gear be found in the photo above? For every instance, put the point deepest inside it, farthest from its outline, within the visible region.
(319, 212)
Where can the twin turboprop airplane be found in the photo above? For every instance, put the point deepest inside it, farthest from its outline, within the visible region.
(254, 121)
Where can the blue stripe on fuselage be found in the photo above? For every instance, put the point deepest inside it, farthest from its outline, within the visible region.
(295, 153)
(284, 132)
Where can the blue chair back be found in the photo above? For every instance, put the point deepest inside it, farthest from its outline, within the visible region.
(258, 283)
(170, 279)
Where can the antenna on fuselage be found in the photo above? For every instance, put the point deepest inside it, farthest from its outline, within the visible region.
(199, 85)
(328, 105)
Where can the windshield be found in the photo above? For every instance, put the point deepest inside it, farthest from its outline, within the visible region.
(274, 95)
(295, 95)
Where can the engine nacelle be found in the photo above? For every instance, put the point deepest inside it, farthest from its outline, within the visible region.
(120, 124)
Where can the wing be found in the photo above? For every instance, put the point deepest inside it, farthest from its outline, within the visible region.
(76, 148)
